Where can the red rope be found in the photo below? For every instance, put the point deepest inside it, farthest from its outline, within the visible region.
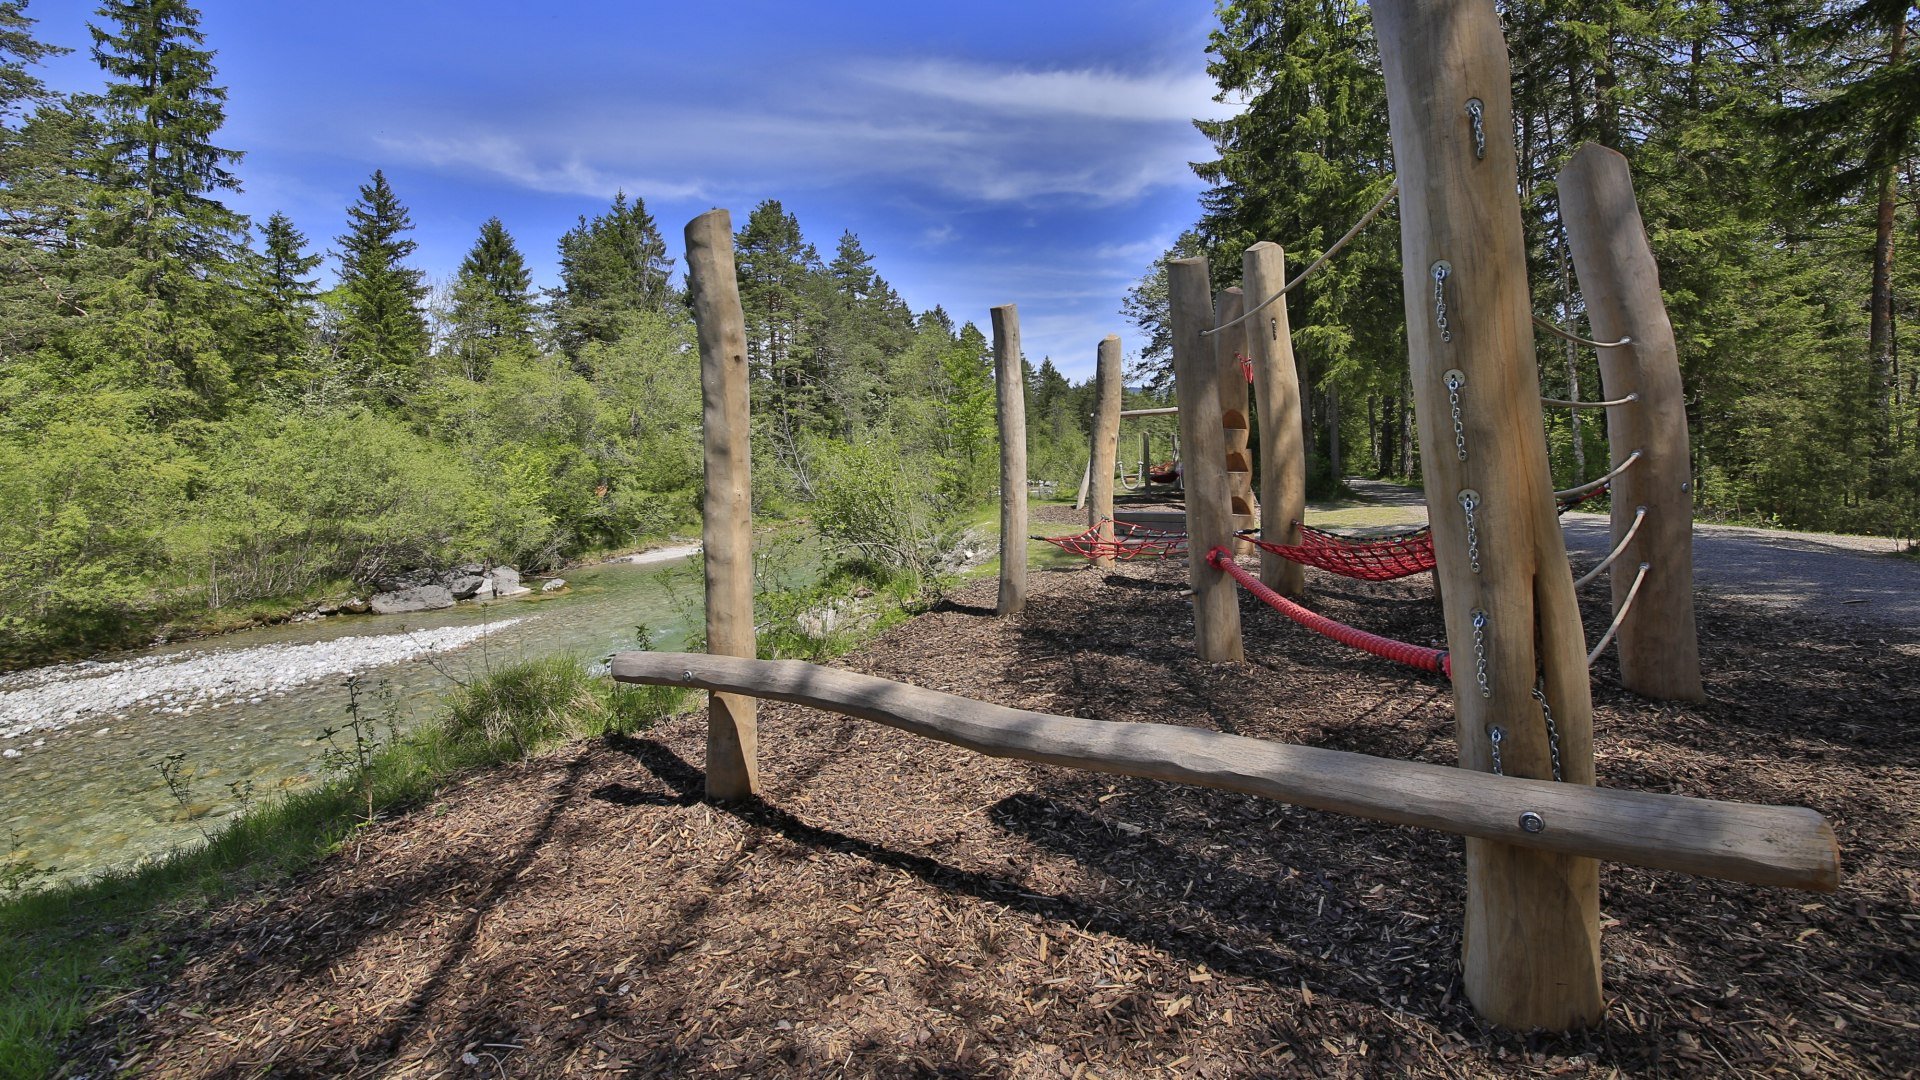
(1415, 656)
(1129, 542)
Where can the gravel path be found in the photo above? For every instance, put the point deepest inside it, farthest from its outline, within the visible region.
(1856, 578)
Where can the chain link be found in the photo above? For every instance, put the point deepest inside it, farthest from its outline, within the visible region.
(1455, 380)
(1496, 736)
(1478, 114)
(1553, 731)
(1480, 652)
(1470, 501)
(1441, 270)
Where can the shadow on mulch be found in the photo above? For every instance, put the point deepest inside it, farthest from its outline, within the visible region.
(897, 907)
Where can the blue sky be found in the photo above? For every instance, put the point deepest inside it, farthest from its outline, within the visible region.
(985, 153)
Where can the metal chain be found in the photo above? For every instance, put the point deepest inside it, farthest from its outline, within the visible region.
(1470, 501)
(1553, 731)
(1480, 652)
(1478, 114)
(1441, 270)
(1496, 737)
(1455, 380)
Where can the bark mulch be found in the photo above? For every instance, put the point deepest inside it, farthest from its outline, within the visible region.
(897, 907)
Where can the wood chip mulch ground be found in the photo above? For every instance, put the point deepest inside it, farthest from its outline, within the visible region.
(897, 907)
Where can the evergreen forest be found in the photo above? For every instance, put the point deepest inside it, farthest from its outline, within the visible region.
(205, 414)
(1773, 146)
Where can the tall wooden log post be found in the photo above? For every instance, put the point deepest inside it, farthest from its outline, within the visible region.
(1229, 347)
(1283, 459)
(1659, 647)
(1196, 380)
(1013, 460)
(1106, 441)
(733, 740)
(1531, 952)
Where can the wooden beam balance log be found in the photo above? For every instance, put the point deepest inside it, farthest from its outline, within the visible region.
(1659, 645)
(1108, 377)
(1283, 460)
(1011, 398)
(1531, 942)
(1216, 604)
(1229, 347)
(1786, 846)
(733, 742)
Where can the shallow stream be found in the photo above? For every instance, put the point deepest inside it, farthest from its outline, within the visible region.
(88, 747)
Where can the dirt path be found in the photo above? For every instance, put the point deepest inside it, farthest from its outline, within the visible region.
(1857, 578)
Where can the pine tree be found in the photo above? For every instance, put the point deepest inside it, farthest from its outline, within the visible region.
(610, 267)
(158, 163)
(283, 301)
(43, 142)
(383, 333)
(776, 266)
(492, 302)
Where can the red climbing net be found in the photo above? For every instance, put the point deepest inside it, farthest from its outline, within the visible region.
(1129, 542)
(1379, 559)
(1415, 656)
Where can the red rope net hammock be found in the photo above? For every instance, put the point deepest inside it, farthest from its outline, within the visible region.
(1382, 559)
(1129, 542)
(1400, 652)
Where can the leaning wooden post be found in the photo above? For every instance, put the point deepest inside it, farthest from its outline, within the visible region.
(1216, 607)
(1013, 460)
(1659, 647)
(733, 742)
(1283, 461)
(1106, 441)
(1531, 947)
(1229, 347)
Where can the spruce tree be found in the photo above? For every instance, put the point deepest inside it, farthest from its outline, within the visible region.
(283, 299)
(383, 333)
(163, 173)
(610, 267)
(492, 302)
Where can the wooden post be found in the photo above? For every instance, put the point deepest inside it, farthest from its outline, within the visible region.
(1106, 441)
(1216, 604)
(1659, 647)
(1531, 947)
(1146, 462)
(1283, 461)
(1229, 346)
(1012, 398)
(733, 741)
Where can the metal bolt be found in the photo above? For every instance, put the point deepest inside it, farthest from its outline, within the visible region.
(1532, 822)
(687, 673)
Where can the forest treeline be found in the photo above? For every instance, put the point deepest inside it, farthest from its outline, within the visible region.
(190, 422)
(1773, 146)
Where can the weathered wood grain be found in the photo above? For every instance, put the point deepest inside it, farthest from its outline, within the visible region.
(1784, 846)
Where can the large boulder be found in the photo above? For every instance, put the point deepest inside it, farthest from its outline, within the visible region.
(470, 586)
(417, 598)
(506, 581)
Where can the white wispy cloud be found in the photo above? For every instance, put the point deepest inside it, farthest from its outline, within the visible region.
(1176, 97)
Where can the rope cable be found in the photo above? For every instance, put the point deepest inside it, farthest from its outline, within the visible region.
(1639, 515)
(1414, 656)
(1365, 219)
(1591, 485)
(1618, 616)
(1576, 338)
(1564, 403)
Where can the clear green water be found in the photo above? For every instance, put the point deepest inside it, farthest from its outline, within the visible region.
(84, 802)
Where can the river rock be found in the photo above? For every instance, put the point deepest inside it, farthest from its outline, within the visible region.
(326, 607)
(468, 586)
(418, 598)
(554, 585)
(355, 605)
(506, 581)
